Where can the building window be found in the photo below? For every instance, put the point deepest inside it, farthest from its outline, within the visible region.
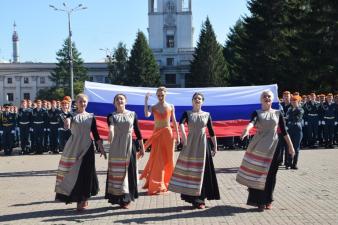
(170, 41)
(26, 96)
(170, 78)
(42, 80)
(153, 5)
(10, 97)
(25, 80)
(9, 80)
(170, 61)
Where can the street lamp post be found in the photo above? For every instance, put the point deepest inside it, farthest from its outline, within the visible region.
(108, 60)
(69, 12)
(109, 54)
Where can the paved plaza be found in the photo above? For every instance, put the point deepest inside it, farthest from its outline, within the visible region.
(306, 196)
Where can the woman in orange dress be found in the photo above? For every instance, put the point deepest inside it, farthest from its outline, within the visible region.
(160, 165)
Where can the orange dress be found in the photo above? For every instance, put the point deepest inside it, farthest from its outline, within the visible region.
(160, 165)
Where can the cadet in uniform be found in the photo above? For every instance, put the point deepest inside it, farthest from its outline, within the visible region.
(39, 118)
(329, 118)
(53, 120)
(294, 117)
(24, 118)
(8, 128)
(285, 104)
(336, 123)
(46, 131)
(64, 134)
(320, 125)
(311, 120)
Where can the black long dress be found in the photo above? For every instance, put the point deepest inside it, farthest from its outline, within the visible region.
(263, 197)
(210, 189)
(126, 198)
(87, 184)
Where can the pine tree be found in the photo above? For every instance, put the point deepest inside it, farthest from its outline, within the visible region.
(61, 74)
(208, 68)
(292, 43)
(118, 65)
(142, 67)
(232, 53)
(321, 45)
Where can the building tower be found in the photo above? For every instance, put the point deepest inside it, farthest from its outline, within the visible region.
(171, 38)
(15, 40)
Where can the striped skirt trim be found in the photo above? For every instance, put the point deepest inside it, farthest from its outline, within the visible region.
(117, 175)
(254, 170)
(188, 176)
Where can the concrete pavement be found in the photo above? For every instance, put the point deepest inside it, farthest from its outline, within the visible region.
(305, 196)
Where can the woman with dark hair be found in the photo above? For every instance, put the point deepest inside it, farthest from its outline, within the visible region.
(76, 179)
(260, 163)
(194, 175)
(160, 165)
(121, 187)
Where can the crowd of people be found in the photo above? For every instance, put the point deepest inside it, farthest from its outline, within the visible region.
(36, 127)
(308, 121)
(312, 122)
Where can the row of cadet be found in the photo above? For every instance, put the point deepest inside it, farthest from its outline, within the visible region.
(38, 126)
(319, 120)
(311, 121)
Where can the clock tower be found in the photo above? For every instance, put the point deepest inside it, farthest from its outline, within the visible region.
(171, 38)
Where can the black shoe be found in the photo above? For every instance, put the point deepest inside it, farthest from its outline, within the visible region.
(287, 167)
(294, 167)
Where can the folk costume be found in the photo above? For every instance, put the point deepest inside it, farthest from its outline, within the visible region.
(194, 175)
(76, 178)
(260, 163)
(121, 185)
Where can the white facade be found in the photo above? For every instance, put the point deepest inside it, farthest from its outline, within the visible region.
(171, 38)
(24, 80)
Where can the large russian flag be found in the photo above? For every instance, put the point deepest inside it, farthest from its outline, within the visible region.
(230, 107)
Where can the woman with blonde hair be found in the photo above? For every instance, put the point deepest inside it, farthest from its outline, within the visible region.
(76, 179)
(260, 163)
(160, 165)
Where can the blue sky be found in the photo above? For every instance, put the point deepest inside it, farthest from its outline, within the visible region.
(105, 23)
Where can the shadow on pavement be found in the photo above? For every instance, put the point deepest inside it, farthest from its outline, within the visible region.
(72, 213)
(176, 213)
(39, 173)
(51, 202)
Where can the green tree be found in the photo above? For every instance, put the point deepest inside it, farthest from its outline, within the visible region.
(232, 53)
(292, 43)
(118, 65)
(208, 67)
(61, 76)
(142, 67)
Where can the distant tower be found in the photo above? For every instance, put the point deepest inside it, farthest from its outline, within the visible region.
(15, 39)
(171, 38)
